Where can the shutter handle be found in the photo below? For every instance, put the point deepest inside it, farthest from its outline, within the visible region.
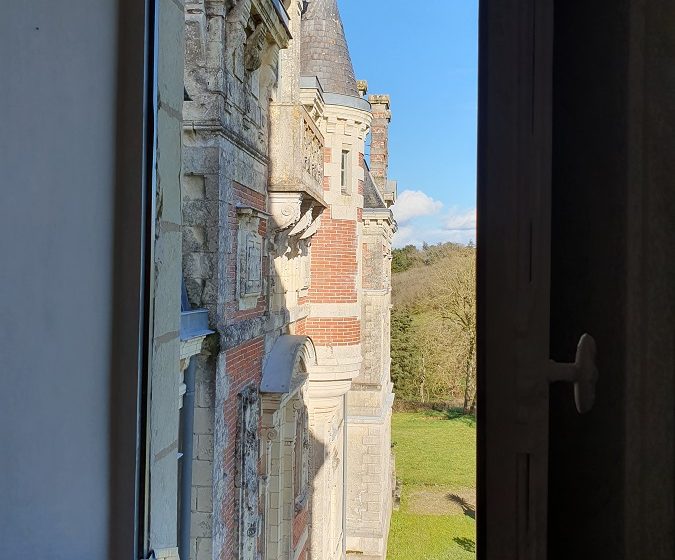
(583, 373)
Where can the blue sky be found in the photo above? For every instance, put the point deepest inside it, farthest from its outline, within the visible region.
(425, 55)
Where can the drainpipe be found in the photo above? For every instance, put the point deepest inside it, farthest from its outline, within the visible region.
(344, 476)
(187, 438)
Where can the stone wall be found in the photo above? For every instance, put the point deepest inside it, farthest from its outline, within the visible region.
(370, 400)
(273, 218)
(165, 365)
(231, 64)
(201, 544)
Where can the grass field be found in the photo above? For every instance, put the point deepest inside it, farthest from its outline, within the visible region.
(436, 463)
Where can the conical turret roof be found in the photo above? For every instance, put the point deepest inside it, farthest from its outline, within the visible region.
(325, 53)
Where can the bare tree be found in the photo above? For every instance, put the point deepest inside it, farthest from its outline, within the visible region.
(437, 295)
(455, 302)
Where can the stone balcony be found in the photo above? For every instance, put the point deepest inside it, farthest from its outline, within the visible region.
(296, 153)
(295, 195)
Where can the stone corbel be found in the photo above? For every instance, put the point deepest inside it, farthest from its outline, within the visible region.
(303, 224)
(312, 229)
(285, 208)
(255, 47)
(238, 10)
(294, 221)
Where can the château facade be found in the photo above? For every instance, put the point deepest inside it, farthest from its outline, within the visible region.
(287, 233)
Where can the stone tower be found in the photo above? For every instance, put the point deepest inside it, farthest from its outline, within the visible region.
(325, 54)
(336, 292)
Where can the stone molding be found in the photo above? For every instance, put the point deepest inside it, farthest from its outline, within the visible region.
(354, 120)
(167, 554)
(289, 355)
(379, 223)
(188, 349)
(335, 310)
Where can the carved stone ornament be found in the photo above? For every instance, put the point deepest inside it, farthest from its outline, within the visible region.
(286, 209)
(251, 265)
(248, 451)
(250, 253)
(312, 147)
(303, 223)
(255, 45)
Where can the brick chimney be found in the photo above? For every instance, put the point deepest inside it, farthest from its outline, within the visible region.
(379, 146)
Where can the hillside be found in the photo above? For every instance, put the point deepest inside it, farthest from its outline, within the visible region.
(433, 324)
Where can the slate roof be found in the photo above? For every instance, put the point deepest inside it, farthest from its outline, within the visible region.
(371, 194)
(325, 53)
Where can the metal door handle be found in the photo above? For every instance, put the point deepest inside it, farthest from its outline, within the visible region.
(583, 373)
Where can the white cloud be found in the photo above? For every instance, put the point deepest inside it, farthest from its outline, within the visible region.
(415, 204)
(458, 220)
(457, 226)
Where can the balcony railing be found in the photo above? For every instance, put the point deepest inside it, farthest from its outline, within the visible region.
(296, 151)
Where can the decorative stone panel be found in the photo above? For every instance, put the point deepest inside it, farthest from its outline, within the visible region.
(249, 257)
(249, 452)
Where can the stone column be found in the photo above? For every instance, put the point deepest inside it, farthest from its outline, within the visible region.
(166, 277)
(327, 429)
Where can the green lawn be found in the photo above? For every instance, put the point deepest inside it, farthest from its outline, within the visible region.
(436, 463)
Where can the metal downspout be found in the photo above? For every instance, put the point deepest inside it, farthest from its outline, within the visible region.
(344, 476)
(187, 439)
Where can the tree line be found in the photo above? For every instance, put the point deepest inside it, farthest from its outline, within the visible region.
(433, 326)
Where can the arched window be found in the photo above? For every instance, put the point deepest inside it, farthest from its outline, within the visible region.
(285, 453)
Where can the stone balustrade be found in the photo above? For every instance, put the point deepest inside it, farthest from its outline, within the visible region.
(296, 151)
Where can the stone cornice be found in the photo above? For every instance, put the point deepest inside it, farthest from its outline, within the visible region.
(358, 118)
(378, 214)
(276, 20)
(271, 12)
(216, 126)
(379, 221)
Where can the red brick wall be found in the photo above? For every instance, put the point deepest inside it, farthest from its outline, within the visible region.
(335, 267)
(343, 331)
(299, 327)
(244, 366)
(247, 197)
(334, 264)
(299, 526)
(243, 363)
